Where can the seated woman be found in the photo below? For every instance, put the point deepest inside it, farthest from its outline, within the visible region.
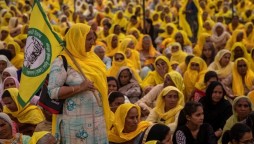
(241, 81)
(191, 129)
(208, 53)
(17, 56)
(222, 64)
(173, 78)
(157, 132)
(177, 54)
(182, 38)
(162, 66)
(128, 84)
(249, 32)
(127, 128)
(112, 45)
(168, 106)
(25, 117)
(42, 137)
(237, 36)
(241, 107)
(115, 99)
(239, 51)
(182, 67)
(216, 108)
(113, 84)
(7, 135)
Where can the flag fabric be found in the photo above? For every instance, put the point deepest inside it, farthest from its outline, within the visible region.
(42, 47)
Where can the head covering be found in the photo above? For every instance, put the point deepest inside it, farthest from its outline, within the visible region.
(233, 38)
(116, 134)
(200, 44)
(166, 34)
(30, 114)
(11, 77)
(223, 38)
(186, 40)
(156, 132)
(4, 58)
(18, 59)
(91, 65)
(135, 77)
(12, 71)
(8, 38)
(139, 46)
(237, 83)
(241, 45)
(109, 50)
(37, 136)
(222, 72)
(168, 116)
(179, 55)
(6, 118)
(177, 79)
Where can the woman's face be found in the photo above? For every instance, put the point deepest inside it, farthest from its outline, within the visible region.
(196, 118)
(242, 67)
(207, 51)
(225, 59)
(207, 26)
(10, 104)
(167, 139)
(90, 41)
(116, 103)
(238, 52)
(146, 43)
(179, 38)
(119, 57)
(131, 45)
(9, 83)
(135, 34)
(169, 30)
(174, 66)
(242, 108)
(11, 48)
(217, 94)
(171, 99)
(161, 64)
(5, 75)
(131, 120)
(3, 65)
(194, 66)
(239, 37)
(174, 49)
(117, 30)
(112, 86)
(114, 42)
(125, 77)
(5, 130)
(168, 81)
(219, 30)
(249, 29)
(247, 138)
(4, 34)
(120, 15)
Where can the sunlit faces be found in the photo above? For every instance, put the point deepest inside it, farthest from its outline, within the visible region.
(90, 41)
(119, 57)
(125, 77)
(3, 65)
(194, 66)
(242, 67)
(196, 118)
(114, 42)
(5, 130)
(131, 120)
(242, 108)
(217, 94)
(10, 104)
(225, 59)
(146, 43)
(171, 99)
(112, 86)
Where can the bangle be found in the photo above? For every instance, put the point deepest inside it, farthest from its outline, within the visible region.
(73, 89)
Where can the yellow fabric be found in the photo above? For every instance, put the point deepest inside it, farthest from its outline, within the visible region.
(252, 59)
(230, 27)
(200, 44)
(122, 22)
(233, 38)
(211, 23)
(178, 56)
(92, 66)
(250, 38)
(241, 45)
(166, 34)
(153, 78)
(8, 38)
(37, 136)
(120, 36)
(116, 134)
(193, 78)
(169, 116)
(132, 30)
(135, 41)
(237, 83)
(18, 60)
(185, 37)
(6, 16)
(177, 79)
(30, 114)
(222, 72)
(251, 96)
(109, 50)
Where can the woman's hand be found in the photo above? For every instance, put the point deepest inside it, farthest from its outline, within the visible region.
(161, 70)
(87, 85)
(218, 133)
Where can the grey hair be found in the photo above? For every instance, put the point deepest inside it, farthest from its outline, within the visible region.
(98, 47)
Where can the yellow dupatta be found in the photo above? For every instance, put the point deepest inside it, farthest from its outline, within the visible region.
(237, 83)
(200, 44)
(166, 34)
(168, 116)
(233, 38)
(241, 45)
(116, 134)
(37, 136)
(186, 40)
(211, 24)
(18, 59)
(250, 38)
(122, 22)
(177, 79)
(222, 72)
(153, 78)
(8, 38)
(109, 50)
(179, 55)
(29, 114)
(91, 65)
(252, 59)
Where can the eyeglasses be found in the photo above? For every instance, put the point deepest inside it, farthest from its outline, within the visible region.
(119, 59)
(243, 105)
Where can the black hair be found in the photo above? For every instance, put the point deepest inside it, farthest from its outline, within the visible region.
(209, 75)
(188, 58)
(6, 53)
(211, 47)
(130, 75)
(113, 95)
(189, 108)
(158, 132)
(133, 17)
(235, 133)
(113, 79)
(6, 94)
(209, 92)
(108, 25)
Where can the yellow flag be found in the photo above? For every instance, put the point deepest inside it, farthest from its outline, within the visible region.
(42, 47)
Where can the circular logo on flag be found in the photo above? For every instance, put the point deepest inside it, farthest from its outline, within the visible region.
(37, 53)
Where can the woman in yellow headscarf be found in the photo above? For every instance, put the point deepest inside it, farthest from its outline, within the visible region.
(120, 20)
(237, 36)
(132, 55)
(182, 38)
(249, 32)
(42, 137)
(116, 29)
(136, 33)
(194, 75)
(14, 27)
(207, 27)
(124, 130)
(112, 45)
(252, 59)
(200, 44)
(239, 50)
(222, 64)
(25, 117)
(17, 56)
(5, 34)
(156, 19)
(168, 106)
(82, 95)
(5, 19)
(162, 67)
(170, 30)
(177, 53)
(235, 24)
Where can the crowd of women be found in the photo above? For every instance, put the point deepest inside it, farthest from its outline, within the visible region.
(180, 71)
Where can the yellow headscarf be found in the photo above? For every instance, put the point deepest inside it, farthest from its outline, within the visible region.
(8, 38)
(18, 60)
(250, 38)
(222, 72)
(211, 23)
(185, 37)
(30, 114)
(135, 41)
(200, 44)
(109, 50)
(237, 83)
(132, 30)
(122, 22)
(169, 116)
(178, 56)
(92, 66)
(251, 59)
(166, 34)
(233, 38)
(120, 36)
(241, 45)
(37, 136)
(116, 134)
(153, 78)
(177, 79)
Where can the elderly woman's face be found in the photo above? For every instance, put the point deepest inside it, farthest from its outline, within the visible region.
(131, 120)
(5, 130)
(219, 30)
(242, 108)
(171, 99)
(10, 104)
(146, 43)
(90, 41)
